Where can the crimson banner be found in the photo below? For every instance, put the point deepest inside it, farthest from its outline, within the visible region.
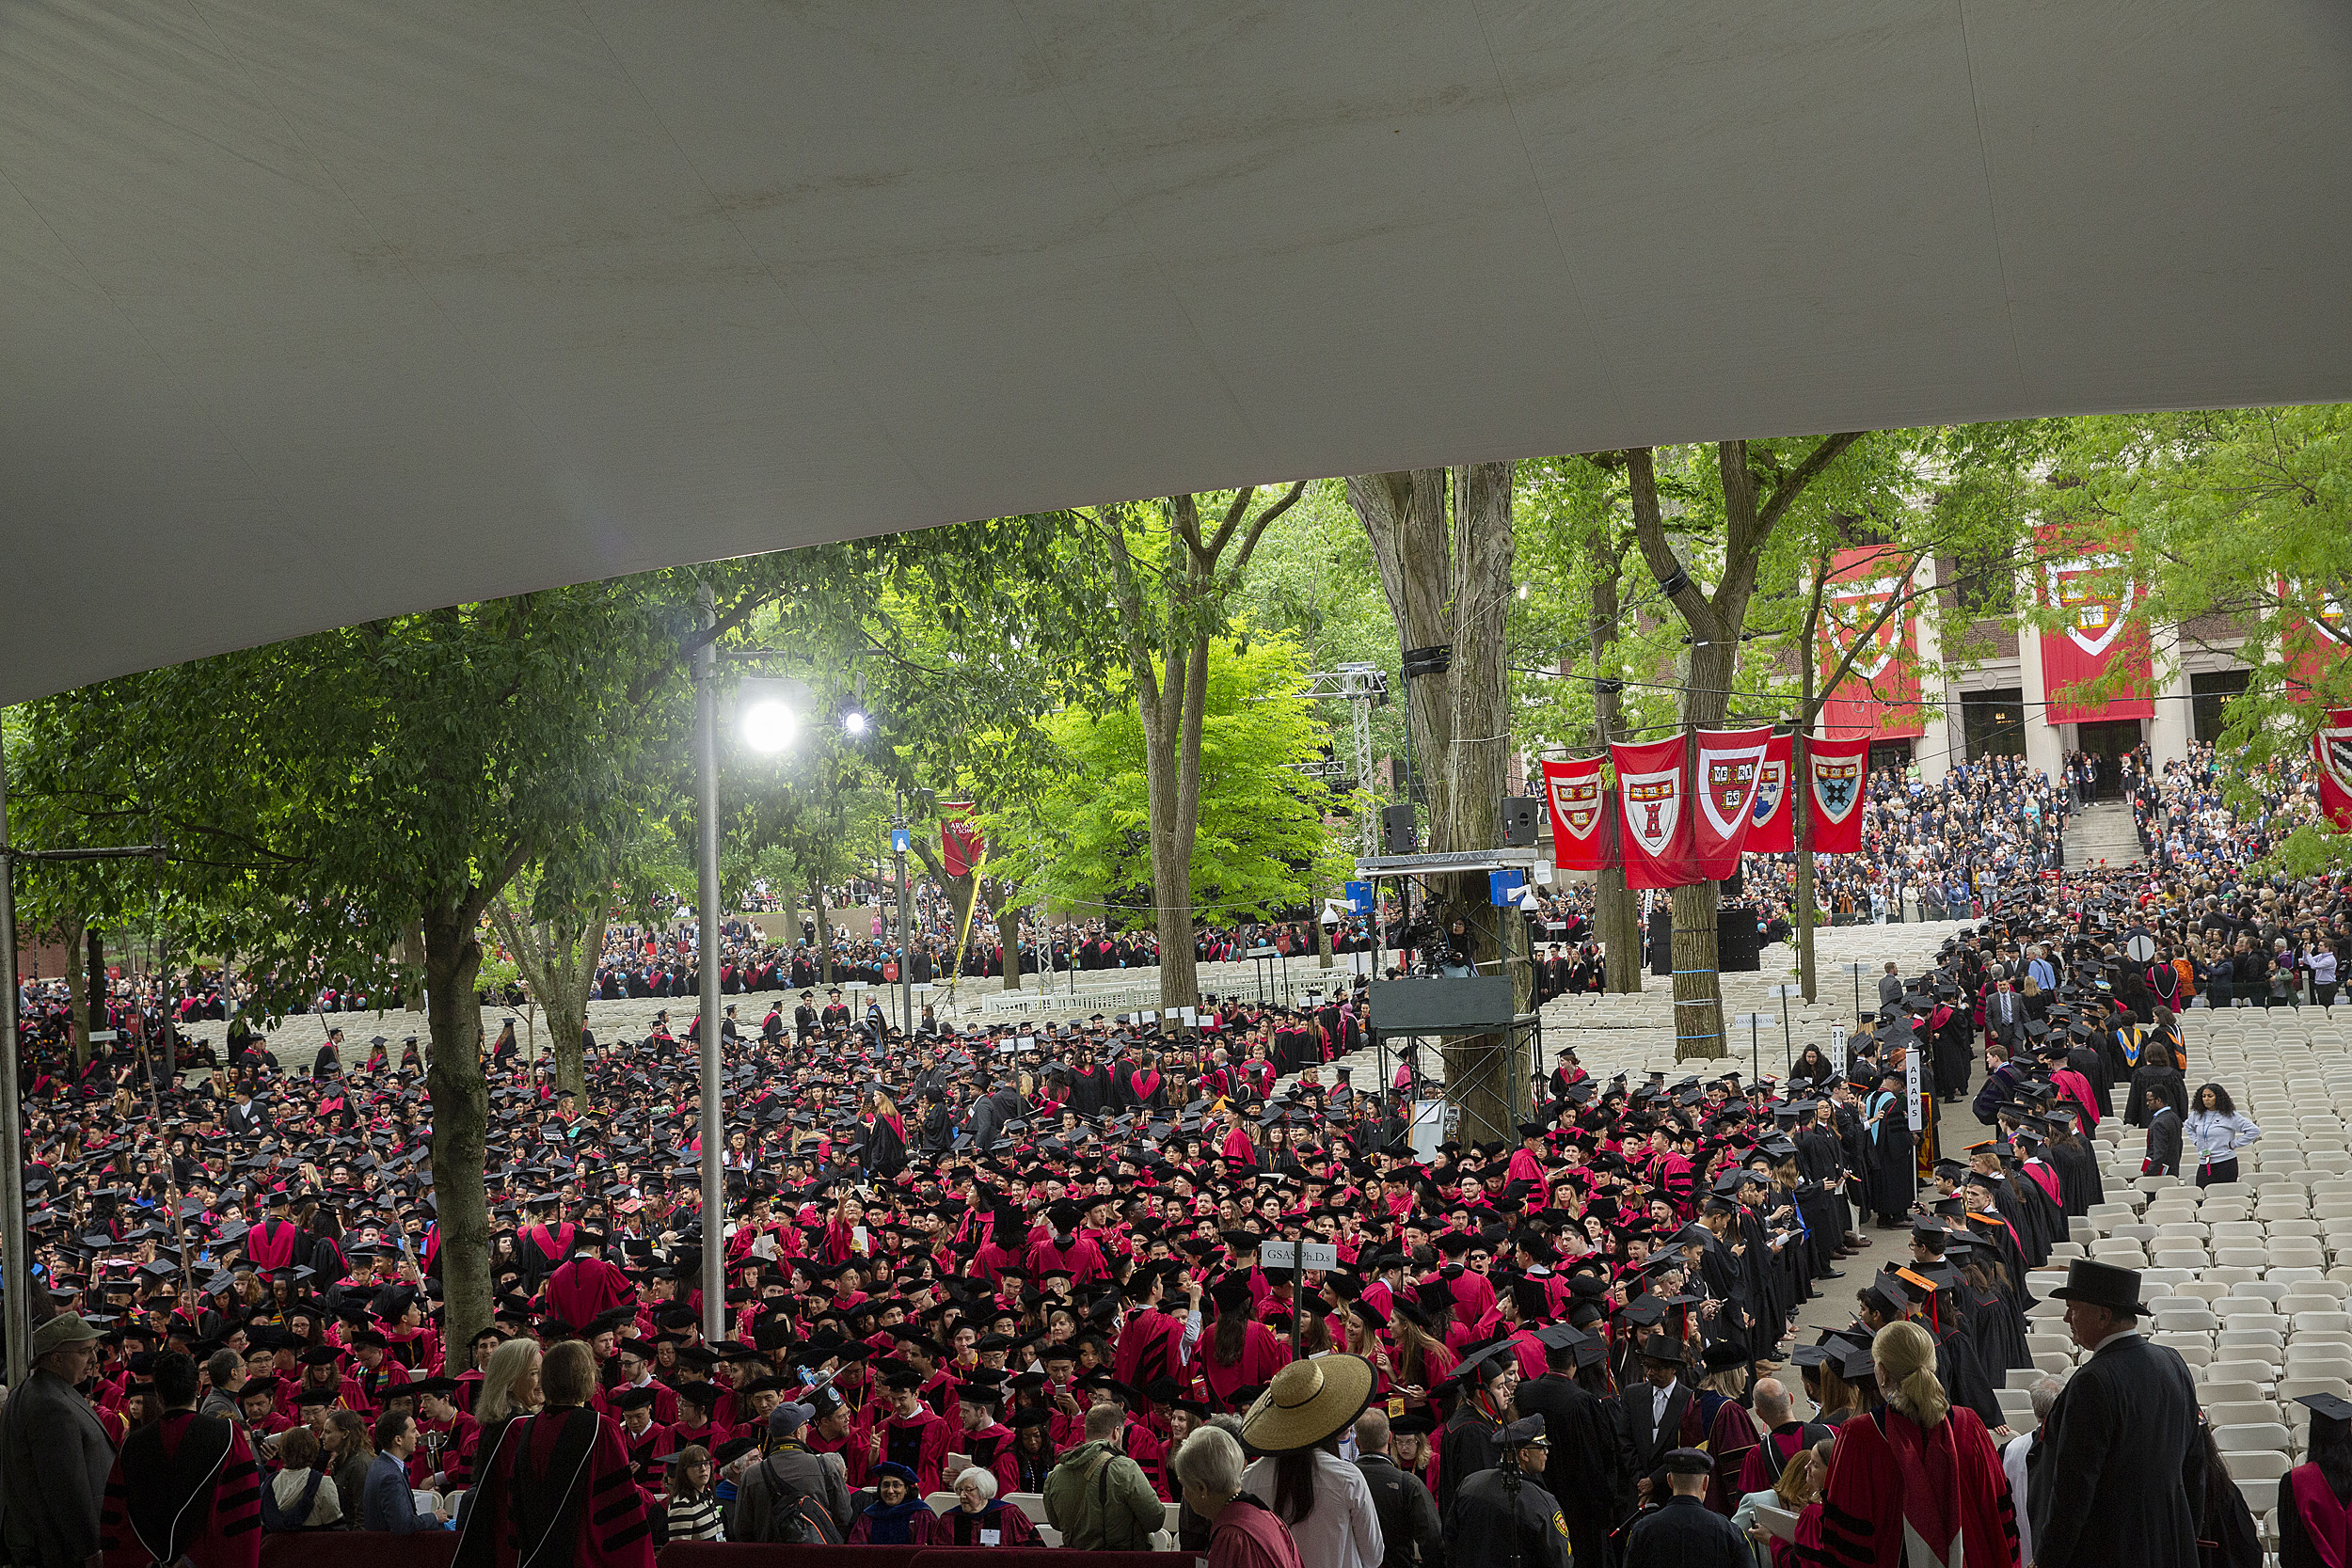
(1838, 770)
(1772, 823)
(2098, 637)
(1573, 789)
(960, 846)
(1729, 767)
(1654, 787)
(1879, 696)
(2331, 747)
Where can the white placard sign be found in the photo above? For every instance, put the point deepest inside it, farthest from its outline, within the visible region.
(1838, 1048)
(1911, 1086)
(1284, 1255)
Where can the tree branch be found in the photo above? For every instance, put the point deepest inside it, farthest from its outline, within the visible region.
(1649, 536)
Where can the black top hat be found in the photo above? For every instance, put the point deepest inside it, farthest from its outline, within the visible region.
(2103, 1285)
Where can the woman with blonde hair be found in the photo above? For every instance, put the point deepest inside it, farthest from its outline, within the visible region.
(1915, 1482)
(510, 1384)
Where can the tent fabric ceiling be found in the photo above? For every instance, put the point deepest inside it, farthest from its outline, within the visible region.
(314, 312)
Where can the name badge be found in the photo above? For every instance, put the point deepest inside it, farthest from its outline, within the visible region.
(992, 1538)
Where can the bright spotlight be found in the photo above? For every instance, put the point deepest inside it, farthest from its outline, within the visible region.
(853, 721)
(768, 725)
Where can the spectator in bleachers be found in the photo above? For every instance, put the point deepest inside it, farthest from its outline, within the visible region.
(2164, 1133)
(2217, 1132)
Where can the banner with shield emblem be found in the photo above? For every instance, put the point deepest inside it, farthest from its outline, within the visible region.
(1838, 770)
(1729, 768)
(1772, 821)
(2097, 637)
(2331, 747)
(1653, 784)
(1573, 790)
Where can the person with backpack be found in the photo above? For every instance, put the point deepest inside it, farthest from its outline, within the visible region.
(1098, 1497)
(300, 1497)
(792, 1496)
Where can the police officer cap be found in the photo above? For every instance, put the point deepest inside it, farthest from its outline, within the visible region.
(1528, 1433)
(1688, 1462)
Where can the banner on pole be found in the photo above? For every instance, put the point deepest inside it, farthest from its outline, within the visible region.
(1838, 770)
(1653, 785)
(1879, 696)
(1772, 823)
(2331, 747)
(1578, 804)
(2098, 638)
(1730, 770)
(961, 847)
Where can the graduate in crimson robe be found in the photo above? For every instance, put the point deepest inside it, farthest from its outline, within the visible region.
(914, 1434)
(1257, 1354)
(1889, 1478)
(586, 1288)
(1151, 1342)
(558, 1489)
(184, 1489)
(271, 1244)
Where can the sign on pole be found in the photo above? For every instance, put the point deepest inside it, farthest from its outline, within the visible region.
(1911, 1086)
(1838, 1048)
(1287, 1255)
(2141, 948)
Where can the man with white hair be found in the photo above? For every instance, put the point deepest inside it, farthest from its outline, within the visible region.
(2046, 1393)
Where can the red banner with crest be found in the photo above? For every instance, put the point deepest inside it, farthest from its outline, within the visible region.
(1836, 773)
(1879, 696)
(2098, 637)
(1653, 789)
(1579, 805)
(2316, 633)
(1772, 823)
(2331, 748)
(960, 846)
(1729, 770)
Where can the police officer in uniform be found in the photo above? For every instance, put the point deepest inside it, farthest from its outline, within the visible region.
(1684, 1532)
(1502, 1517)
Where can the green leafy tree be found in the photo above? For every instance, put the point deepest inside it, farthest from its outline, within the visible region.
(1259, 843)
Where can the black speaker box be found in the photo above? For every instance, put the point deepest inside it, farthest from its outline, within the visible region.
(1519, 821)
(1399, 835)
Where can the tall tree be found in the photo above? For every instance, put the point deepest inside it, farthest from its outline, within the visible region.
(326, 795)
(1442, 540)
(1172, 575)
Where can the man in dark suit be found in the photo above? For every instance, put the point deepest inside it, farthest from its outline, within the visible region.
(1660, 1415)
(1589, 1468)
(2004, 1016)
(2119, 1476)
(1409, 1528)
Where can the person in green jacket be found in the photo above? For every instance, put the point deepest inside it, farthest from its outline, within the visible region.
(1097, 1497)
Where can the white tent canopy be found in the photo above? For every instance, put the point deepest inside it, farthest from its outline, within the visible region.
(311, 312)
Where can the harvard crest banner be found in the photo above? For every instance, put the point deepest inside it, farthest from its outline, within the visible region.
(1729, 770)
(1772, 823)
(1578, 805)
(2097, 636)
(1879, 696)
(1653, 789)
(2331, 747)
(1838, 770)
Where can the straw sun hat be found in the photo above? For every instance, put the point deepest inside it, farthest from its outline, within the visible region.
(1307, 1401)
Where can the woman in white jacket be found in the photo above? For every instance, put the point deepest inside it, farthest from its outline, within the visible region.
(2217, 1132)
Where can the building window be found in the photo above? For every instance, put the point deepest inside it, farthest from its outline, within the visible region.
(1995, 721)
(2208, 694)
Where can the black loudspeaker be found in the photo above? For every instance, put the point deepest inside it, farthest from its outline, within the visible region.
(1399, 835)
(1519, 821)
(1661, 939)
(1735, 885)
(1736, 948)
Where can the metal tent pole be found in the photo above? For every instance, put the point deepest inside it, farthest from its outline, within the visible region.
(706, 895)
(15, 1291)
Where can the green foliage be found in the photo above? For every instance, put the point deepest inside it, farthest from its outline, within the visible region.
(1262, 844)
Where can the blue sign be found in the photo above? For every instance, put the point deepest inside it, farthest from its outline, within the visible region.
(900, 841)
(1360, 897)
(1502, 887)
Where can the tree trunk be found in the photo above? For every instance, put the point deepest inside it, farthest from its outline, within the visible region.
(77, 994)
(824, 929)
(98, 987)
(1007, 918)
(1452, 586)
(1164, 775)
(461, 1108)
(412, 965)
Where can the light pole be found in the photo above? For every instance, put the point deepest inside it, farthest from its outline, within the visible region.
(706, 899)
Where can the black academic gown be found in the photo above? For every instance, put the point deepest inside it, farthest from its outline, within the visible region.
(2121, 1477)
